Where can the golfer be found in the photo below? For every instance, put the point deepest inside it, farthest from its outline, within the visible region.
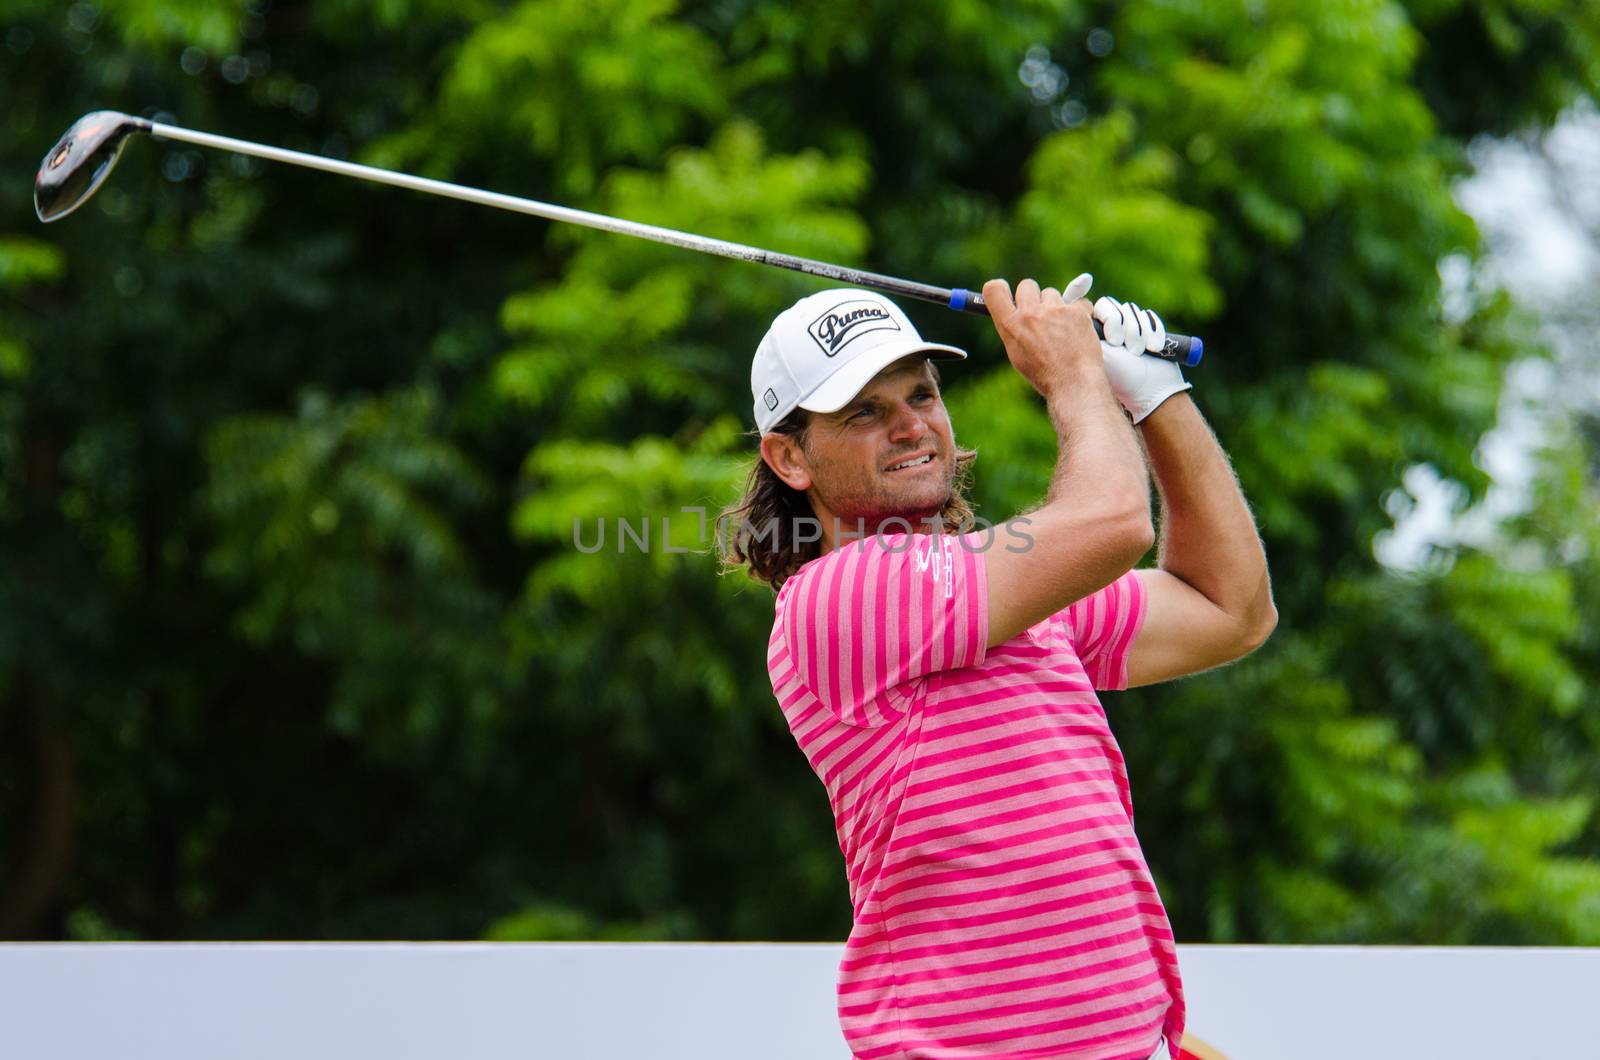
(942, 679)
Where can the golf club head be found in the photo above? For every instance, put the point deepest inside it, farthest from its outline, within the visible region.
(80, 162)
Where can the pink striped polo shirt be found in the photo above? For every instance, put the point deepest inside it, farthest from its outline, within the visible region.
(1002, 905)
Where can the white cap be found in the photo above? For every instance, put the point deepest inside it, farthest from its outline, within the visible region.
(822, 350)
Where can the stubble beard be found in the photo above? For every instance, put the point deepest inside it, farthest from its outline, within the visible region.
(863, 505)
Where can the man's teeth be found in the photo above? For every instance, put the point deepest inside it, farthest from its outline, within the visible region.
(912, 463)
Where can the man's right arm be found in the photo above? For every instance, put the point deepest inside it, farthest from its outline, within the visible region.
(1095, 522)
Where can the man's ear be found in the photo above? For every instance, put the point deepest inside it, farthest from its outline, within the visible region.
(783, 455)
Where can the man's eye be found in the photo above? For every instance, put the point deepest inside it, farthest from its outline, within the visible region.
(861, 415)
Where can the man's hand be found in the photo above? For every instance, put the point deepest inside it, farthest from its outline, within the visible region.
(1141, 382)
(1047, 334)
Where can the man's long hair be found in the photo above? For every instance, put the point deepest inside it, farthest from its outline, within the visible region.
(760, 531)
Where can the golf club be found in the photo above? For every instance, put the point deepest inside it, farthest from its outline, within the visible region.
(84, 156)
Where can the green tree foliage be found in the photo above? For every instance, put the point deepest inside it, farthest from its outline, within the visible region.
(325, 611)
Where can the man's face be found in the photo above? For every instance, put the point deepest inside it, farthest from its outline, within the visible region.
(890, 452)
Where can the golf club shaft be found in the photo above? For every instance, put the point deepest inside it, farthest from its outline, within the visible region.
(1178, 347)
(551, 212)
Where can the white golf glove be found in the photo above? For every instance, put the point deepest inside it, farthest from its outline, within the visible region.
(1140, 381)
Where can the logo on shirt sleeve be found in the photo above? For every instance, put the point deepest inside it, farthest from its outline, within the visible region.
(937, 562)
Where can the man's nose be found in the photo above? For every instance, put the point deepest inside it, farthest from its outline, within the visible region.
(907, 424)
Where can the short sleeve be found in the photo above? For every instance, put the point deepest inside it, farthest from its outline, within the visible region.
(1102, 627)
(868, 620)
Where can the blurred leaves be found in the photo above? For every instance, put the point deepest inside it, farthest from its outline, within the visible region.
(195, 23)
(339, 523)
(532, 78)
(1143, 242)
(629, 321)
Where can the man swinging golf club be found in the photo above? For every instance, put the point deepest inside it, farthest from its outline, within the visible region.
(943, 689)
(941, 681)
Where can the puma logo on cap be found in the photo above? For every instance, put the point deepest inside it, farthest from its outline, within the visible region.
(847, 321)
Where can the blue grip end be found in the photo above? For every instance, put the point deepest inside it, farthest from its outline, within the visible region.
(1197, 350)
(958, 299)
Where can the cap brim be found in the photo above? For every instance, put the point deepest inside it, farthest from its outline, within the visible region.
(839, 388)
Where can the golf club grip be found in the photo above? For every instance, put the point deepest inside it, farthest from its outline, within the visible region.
(1185, 349)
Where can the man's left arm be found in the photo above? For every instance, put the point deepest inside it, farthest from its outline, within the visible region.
(1209, 600)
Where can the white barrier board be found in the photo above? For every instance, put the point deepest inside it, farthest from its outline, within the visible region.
(464, 1001)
